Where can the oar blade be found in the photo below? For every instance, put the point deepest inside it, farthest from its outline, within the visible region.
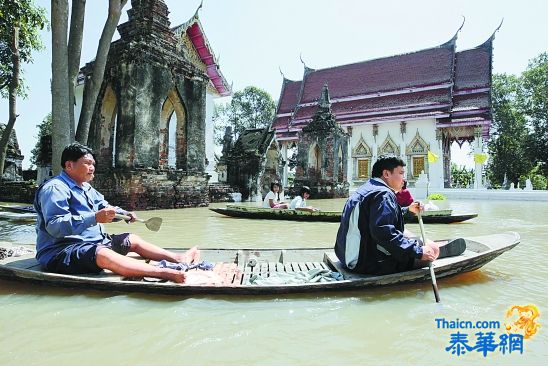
(154, 223)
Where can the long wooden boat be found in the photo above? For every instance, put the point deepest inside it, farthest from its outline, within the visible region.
(18, 217)
(18, 208)
(249, 212)
(439, 217)
(240, 268)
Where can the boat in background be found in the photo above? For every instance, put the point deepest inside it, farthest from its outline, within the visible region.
(22, 214)
(250, 212)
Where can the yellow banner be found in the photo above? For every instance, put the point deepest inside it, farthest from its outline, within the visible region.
(432, 158)
(480, 158)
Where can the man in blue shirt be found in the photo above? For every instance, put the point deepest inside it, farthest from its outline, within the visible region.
(71, 238)
(371, 234)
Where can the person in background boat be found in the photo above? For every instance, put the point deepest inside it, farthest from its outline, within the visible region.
(71, 238)
(299, 202)
(371, 237)
(275, 198)
(403, 196)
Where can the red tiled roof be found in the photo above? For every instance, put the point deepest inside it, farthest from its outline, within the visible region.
(434, 83)
(195, 32)
(473, 69)
(421, 68)
(470, 101)
(289, 96)
(281, 123)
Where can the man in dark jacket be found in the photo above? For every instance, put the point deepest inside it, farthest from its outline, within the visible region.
(370, 238)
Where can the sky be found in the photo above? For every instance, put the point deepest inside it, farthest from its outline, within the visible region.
(254, 40)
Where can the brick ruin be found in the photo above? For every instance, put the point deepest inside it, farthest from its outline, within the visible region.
(322, 150)
(149, 84)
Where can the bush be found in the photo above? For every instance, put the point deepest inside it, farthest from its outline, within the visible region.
(436, 197)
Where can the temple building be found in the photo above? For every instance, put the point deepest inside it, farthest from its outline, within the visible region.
(408, 105)
(152, 127)
(13, 170)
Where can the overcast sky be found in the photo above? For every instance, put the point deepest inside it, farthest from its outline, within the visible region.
(255, 39)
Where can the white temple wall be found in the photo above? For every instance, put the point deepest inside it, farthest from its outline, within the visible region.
(427, 131)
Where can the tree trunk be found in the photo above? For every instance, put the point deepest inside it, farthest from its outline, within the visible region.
(74, 51)
(12, 95)
(60, 115)
(93, 84)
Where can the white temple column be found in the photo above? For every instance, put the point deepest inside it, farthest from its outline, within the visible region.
(478, 149)
(285, 168)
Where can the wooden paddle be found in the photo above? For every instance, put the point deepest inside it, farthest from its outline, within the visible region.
(430, 267)
(152, 224)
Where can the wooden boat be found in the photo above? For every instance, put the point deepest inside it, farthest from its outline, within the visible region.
(27, 218)
(249, 212)
(246, 264)
(439, 217)
(278, 214)
(18, 208)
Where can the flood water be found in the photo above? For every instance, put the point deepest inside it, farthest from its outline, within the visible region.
(385, 326)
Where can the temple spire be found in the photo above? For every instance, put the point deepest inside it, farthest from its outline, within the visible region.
(453, 41)
(489, 43)
(325, 102)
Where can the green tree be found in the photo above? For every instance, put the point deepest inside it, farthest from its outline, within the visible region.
(41, 154)
(509, 132)
(461, 177)
(20, 23)
(64, 69)
(535, 106)
(249, 108)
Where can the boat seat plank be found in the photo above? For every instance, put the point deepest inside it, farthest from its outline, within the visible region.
(22, 263)
(337, 266)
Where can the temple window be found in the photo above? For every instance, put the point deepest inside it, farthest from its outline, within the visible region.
(315, 157)
(172, 141)
(361, 157)
(416, 152)
(363, 168)
(418, 165)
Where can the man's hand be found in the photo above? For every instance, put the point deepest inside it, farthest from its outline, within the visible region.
(133, 217)
(430, 251)
(105, 215)
(416, 207)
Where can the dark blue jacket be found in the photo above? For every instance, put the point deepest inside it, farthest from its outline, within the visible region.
(370, 237)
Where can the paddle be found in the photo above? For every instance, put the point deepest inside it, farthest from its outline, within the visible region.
(430, 267)
(152, 224)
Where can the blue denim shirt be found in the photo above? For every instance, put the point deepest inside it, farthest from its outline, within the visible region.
(66, 215)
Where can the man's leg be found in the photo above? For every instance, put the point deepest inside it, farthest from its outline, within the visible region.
(156, 253)
(106, 258)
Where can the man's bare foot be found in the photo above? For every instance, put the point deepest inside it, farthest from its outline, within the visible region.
(190, 256)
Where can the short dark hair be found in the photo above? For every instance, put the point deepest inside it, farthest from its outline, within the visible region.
(73, 152)
(386, 162)
(275, 184)
(304, 189)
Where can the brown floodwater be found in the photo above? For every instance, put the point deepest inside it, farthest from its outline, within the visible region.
(385, 326)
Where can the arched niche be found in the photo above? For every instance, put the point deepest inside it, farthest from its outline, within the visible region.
(108, 127)
(389, 147)
(417, 156)
(173, 137)
(315, 157)
(361, 160)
